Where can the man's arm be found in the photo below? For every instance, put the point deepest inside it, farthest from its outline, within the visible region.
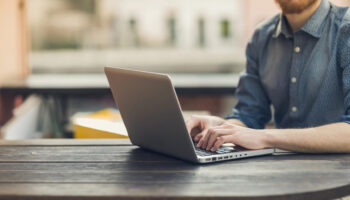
(332, 138)
(236, 122)
(253, 106)
(328, 138)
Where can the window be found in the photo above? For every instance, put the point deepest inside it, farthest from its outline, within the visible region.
(201, 32)
(83, 36)
(225, 29)
(172, 31)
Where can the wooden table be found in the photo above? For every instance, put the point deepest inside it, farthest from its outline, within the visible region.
(109, 169)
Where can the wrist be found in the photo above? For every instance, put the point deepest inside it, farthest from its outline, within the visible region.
(219, 121)
(268, 138)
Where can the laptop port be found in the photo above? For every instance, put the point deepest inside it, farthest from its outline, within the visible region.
(208, 159)
(226, 157)
(214, 159)
(220, 158)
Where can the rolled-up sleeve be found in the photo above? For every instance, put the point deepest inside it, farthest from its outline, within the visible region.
(253, 107)
(344, 59)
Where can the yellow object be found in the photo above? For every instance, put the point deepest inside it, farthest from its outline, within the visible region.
(106, 123)
(107, 114)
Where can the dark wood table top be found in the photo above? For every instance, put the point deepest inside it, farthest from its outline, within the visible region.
(109, 169)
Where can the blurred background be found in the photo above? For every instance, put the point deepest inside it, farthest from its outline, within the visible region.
(196, 36)
(52, 55)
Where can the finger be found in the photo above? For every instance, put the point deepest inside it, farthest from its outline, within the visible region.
(191, 124)
(198, 137)
(210, 135)
(220, 141)
(204, 140)
(213, 137)
(196, 131)
(211, 140)
(200, 142)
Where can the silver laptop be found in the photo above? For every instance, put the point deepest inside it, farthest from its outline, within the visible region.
(153, 118)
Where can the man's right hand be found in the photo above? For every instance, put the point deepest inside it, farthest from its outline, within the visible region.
(198, 125)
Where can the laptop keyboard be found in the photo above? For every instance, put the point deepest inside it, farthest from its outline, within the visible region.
(221, 150)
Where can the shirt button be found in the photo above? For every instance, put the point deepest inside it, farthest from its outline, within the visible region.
(297, 49)
(294, 80)
(294, 109)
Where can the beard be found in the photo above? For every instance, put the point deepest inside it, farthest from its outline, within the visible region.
(294, 6)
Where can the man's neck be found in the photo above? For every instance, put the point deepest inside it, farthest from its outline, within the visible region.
(296, 21)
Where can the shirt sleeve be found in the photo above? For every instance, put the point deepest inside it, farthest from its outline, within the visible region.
(344, 59)
(253, 107)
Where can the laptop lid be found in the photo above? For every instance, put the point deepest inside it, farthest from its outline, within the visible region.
(151, 112)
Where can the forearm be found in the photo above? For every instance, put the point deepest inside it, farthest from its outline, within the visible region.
(329, 138)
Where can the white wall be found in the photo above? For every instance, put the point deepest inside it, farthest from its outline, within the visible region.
(13, 47)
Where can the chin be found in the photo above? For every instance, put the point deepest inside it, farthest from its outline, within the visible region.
(294, 6)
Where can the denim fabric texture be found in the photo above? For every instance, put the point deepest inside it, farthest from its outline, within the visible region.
(304, 75)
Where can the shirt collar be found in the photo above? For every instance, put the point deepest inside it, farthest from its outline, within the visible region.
(282, 27)
(313, 26)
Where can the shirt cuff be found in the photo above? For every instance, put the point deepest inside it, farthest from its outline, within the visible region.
(346, 118)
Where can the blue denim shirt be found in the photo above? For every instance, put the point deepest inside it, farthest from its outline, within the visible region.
(304, 75)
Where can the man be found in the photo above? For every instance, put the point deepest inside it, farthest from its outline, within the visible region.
(298, 62)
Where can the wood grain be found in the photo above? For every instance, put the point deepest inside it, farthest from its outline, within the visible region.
(108, 169)
(65, 142)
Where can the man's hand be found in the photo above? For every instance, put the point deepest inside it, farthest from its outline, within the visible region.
(230, 133)
(198, 125)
